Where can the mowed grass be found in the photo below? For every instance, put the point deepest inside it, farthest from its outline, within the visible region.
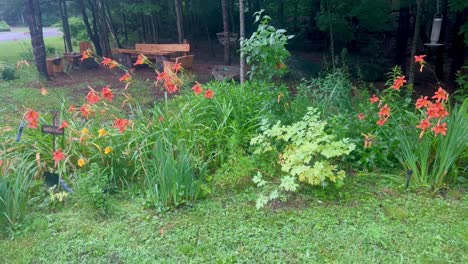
(359, 224)
(13, 51)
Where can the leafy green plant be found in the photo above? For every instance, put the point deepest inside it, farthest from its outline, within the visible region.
(92, 188)
(434, 159)
(15, 178)
(4, 26)
(305, 153)
(8, 73)
(265, 50)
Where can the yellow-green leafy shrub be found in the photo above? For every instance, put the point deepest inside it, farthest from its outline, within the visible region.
(305, 152)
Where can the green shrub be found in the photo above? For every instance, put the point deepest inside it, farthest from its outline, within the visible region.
(265, 50)
(77, 29)
(434, 159)
(8, 73)
(4, 26)
(92, 188)
(305, 152)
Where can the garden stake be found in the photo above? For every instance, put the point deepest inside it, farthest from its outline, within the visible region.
(20, 131)
(409, 173)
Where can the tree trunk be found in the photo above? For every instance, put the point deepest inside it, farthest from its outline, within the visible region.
(242, 36)
(457, 52)
(402, 35)
(110, 24)
(65, 26)
(227, 59)
(94, 37)
(34, 20)
(414, 45)
(281, 13)
(180, 23)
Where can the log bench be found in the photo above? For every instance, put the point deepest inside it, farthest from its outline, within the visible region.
(160, 52)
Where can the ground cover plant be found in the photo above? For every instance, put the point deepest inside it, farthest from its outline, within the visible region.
(168, 169)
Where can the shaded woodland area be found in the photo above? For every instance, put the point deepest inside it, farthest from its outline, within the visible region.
(367, 35)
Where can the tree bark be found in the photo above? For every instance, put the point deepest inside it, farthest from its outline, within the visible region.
(242, 37)
(227, 59)
(402, 35)
(110, 24)
(34, 20)
(414, 45)
(179, 20)
(94, 37)
(65, 26)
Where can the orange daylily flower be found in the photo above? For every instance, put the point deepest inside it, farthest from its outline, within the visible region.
(142, 59)
(374, 99)
(398, 82)
(424, 125)
(32, 118)
(420, 59)
(209, 94)
(441, 95)
(121, 124)
(382, 121)
(44, 91)
(92, 97)
(109, 63)
(440, 129)
(71, 108)
(85, 112)
(361, 116)
(384, 111)
(177, 67)
(107, 93)
(125, 78)
(85, 55)
(422, 102)
(63, 125)
(197, 89)
(58, 156)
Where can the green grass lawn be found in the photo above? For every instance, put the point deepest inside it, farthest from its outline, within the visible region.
(372, 220)
(12, 51)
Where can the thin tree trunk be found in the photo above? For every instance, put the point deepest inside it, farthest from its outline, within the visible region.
(210, 42)
(402, 35)
(332, 40)
(242, 36)
(110, 24)
(65, 26)
(94, 38)
(414, 45)
(34, 20)
(458, 45)
(227, 59)
(124, 19)
(180, 24)
(281, 12)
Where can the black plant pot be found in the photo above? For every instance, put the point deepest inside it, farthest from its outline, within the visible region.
(51, 179)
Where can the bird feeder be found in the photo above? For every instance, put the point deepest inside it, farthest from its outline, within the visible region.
(435, 33)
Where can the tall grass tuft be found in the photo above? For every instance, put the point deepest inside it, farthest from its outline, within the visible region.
(434, 160)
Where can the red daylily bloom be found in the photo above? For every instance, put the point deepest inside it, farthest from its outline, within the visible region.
(440, 129)
(63, 125)
(121, 124)
(107, 93)
(420, 59)
(177, 67)
(85, 112)
(424, 125)
(197, 89)
(209, 94)
(361, 116)
(382, 121)
(384, 111)
(140, 60)
(58, 155)
(436, 110)
(92, 97)
(44, 91)
(422, 102)
(162, 76)
(125, 78)
(374, 99)
(110, 63)
(170, 87)
(85, 55)
(441, 95)
(398, 82)
(71, 108)
(32, 118)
